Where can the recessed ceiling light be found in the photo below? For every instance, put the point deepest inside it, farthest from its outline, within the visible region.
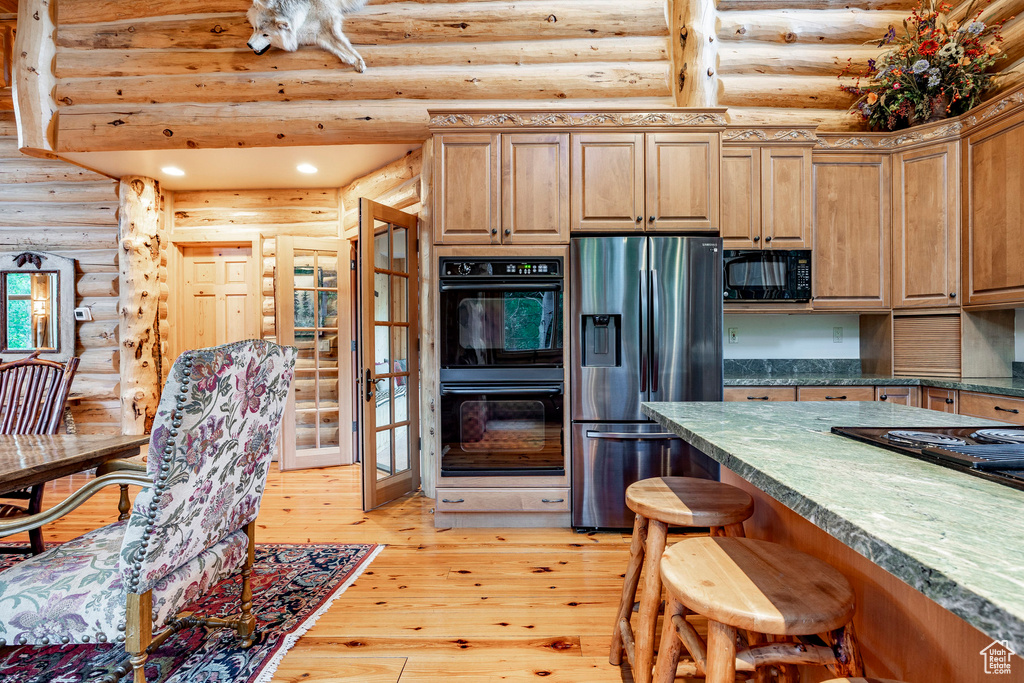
(306, 168)
(172, 170)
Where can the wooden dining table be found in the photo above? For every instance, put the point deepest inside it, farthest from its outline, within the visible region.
(30, 459)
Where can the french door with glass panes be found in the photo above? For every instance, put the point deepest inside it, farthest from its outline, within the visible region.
(313, 315)
(389, 364)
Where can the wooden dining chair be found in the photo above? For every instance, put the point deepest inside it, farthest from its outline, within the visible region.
(32, 396)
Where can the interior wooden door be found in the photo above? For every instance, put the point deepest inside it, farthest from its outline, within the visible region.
(389, 361)
(218, 305)
(313, 315)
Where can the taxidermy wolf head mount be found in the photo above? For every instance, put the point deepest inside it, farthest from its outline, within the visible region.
(287, 24)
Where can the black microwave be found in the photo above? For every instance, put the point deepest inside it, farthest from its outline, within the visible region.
(768, 275)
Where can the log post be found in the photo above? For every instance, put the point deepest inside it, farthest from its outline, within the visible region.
(34, 82)
(139, 260)
(694, 53)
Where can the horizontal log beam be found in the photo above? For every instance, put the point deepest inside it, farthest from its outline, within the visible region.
(195, 218)
(60, 192)
(28, 170)
(95, 11)
(827, 119)
(813, 92)
(56, 214)
(53, 240)
(256, 199)
(1013, 40)
(399, 23)
(759, 5)
(89, 63)
(792, 60)
(528, 82)
(808, 26)
(194, 126)
(376, 182)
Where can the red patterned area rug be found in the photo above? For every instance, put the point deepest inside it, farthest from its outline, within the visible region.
(293, 585)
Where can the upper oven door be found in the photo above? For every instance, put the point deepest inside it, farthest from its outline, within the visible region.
(767, 275)
(494, 325)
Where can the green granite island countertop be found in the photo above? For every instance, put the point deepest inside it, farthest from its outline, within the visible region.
(956, 538)
(1004, 386)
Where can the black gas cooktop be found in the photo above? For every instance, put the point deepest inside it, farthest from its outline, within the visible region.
(994, 453)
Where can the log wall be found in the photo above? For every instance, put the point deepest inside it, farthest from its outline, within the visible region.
(141, 75)
(53, 206)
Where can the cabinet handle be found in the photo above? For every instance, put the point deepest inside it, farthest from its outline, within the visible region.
(768, 239)
(835, 398)
(952, 295)
(883, 397)
(1009, 410)
(552, 500)
(757, 238)
(757, 398)
(949, 401)
(460, 500)
(639, 220)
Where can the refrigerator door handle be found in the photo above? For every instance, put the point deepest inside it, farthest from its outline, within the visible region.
(655, 320)
(630, 436)
(643, 331)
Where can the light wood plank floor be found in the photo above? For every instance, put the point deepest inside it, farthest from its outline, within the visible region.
(437, 604)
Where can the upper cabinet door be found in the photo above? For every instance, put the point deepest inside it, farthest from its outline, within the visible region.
(786, 198)
(682, 181)
(926, 227)
(467, 201)
(851, 229)
(607, 182)
(535, 188)
(993, 260)
(741, 197)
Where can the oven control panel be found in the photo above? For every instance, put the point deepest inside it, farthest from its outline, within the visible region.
(502, 268)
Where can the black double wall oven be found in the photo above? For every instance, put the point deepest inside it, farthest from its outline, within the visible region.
(501, 367)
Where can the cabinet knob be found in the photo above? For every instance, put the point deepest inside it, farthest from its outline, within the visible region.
(883, 397)
(639, 220)
(952, 295)
(494, 231)
(508, 231)
(651, 219)
(768, 239)
(757, 238)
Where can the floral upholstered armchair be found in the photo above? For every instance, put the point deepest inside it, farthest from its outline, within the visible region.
(192, 524)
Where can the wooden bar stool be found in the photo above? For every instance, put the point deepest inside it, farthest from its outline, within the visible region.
(763, 588)
(661, 502)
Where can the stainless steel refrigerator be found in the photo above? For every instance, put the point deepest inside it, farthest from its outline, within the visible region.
(646, 325)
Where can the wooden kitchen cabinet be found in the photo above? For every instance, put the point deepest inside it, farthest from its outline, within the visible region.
(943, 400)
(903, 395)
(766, 197)
(535, 188)
(644, 181)
(835, 393)
(851, 231)
(993, 192)
(503, 500)
(467, 188)
(992, 407)
(763, 394)
(926, 227)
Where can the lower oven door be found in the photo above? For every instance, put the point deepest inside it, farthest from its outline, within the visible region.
(609, 457)
(501, 429)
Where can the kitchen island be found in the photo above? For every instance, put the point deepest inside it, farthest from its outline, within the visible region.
(955, 539)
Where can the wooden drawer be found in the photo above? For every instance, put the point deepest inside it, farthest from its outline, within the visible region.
(760, 394)
(835, 394)
(907, 396)
(502, 500)
(943, 400)
(992, 407)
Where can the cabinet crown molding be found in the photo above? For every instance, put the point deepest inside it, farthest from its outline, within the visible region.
(763, 135)
(705, 118)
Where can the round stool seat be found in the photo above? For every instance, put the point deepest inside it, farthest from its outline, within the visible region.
(757, 586)
(861, 680)
(689, 501)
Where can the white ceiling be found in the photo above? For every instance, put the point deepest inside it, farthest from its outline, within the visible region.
(254, 168)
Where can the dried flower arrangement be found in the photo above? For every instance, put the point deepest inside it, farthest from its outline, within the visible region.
(935, 68)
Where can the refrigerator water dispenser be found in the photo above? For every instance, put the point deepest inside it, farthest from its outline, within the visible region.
(602, 342)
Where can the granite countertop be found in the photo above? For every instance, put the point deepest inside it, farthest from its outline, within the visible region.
(1006, 386)
(956, 538)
